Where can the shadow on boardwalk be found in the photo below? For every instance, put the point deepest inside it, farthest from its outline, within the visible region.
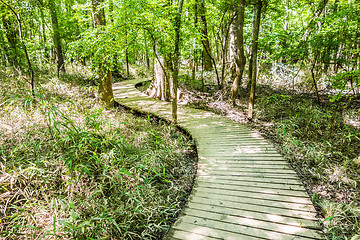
(244, 189)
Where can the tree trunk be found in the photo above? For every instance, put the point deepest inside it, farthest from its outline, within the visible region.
(127, 63)
(30, 69)
(46, 53)
(56, 38)
(254, 54)
(225, 46)
(176, 61)
(194, 63)
(313, 77)
(11, 37)
(250, 72)
(105, 88)
(232, 52)
(239, 50)
(205, 37)
(158, 86)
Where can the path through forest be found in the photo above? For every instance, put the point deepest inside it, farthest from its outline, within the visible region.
(244, 189)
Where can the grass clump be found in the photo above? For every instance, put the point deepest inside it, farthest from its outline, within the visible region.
(320, 140)
(323, 147)
(70, 169)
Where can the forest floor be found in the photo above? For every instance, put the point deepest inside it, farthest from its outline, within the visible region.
(70, 169)
(320, 140)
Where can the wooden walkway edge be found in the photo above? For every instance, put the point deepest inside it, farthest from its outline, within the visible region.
(244, 189)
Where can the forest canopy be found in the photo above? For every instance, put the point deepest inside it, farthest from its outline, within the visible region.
(291, 67)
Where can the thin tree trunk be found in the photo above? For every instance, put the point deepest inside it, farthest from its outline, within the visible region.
(205, 36)
(176, 60)
(30, 69)
(207, 54)
(224, 51)
(202, 70)
(43, 33)
(56, 37)
(194, 65)
(105, 87)
(12, 39)
(239, 50)
(250, 72)
(254, 53)
(232, 52)
(313, 77)
(127, 63)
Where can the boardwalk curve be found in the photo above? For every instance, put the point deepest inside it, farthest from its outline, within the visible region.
(244, 189)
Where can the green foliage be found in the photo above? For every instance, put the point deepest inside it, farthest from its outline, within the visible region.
(346, 82)
(75, 171)
(322, 145)
(340, 218)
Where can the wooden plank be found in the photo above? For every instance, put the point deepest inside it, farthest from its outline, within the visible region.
(253, 195)
(293, 210)
(186, 235)
(251, 180)
(239, 158)
(188, 231)
(231, 222)
(191, 223)
(236, 152)
(241, 165)
(268, 185)
(252, 188)
(238, 155)
(245, 162)
(237, 143)
(245, 214)
(258, 174)
(238, 166)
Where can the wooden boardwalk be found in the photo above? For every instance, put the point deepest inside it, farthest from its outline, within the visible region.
(244, 189)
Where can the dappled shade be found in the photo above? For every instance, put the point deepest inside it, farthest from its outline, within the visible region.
(244, 188)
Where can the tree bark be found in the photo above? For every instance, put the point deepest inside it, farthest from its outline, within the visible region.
(250, 72)
(11, 37)
(30, 68)
(157, 88)
(160, 85)
(313, 77)
(205, 37)
(176, 61)
(56, 38)
(239, 50)
(105, 88)
(225, 47)
(254, 54)
(232, 51)
(194, 63)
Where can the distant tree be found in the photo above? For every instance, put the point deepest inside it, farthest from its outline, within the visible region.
(23, 43)
(175, 74)
(56, 37)
(105, 87)
(254, 52)
(204, 32)
(239, 57)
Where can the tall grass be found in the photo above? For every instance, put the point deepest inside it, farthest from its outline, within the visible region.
(323, 147)
(73, 170)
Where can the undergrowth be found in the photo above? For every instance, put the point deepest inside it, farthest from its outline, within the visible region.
(322, 142)
(70, 169)
(323, 147)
